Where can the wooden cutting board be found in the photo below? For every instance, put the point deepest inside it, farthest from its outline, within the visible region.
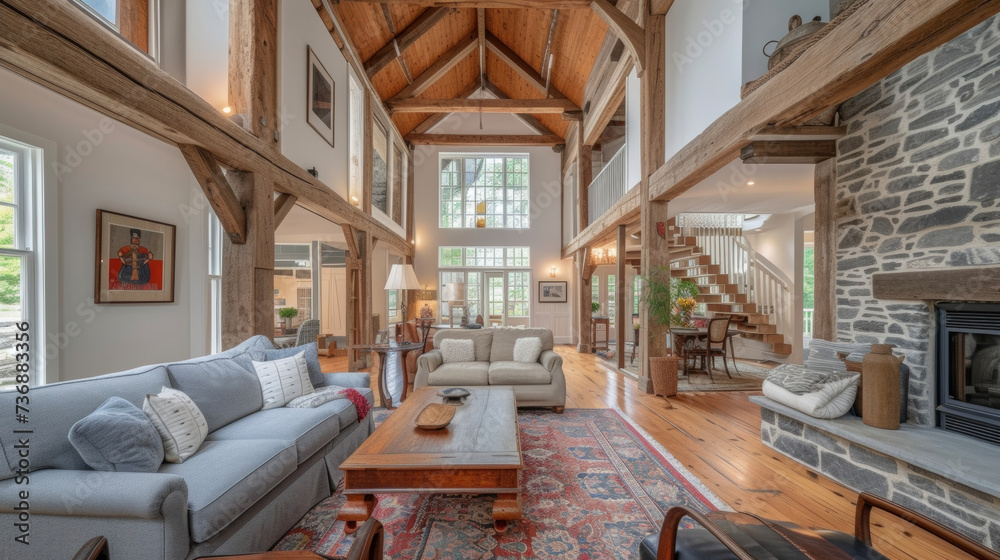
(435, 416)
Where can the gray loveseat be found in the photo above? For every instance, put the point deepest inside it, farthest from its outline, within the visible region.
(534, 384)
(255, 476)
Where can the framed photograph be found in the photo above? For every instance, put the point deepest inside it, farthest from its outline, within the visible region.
(320, 95)
(552, 292)
(135, 259)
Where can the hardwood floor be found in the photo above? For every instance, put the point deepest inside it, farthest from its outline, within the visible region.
(717, 437)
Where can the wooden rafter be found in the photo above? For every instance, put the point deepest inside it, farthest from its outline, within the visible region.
(328, 22)
(388, 18)
(404, 39)
(529, 120)
(603, 109)
(484, 139)
(785, 151)
(521, 67)
(539, 4)
(842, 64)
(627, 30)
(282, 206)
(536, 106)
(481, 36)
(660, 7)
(435, 119)
(217, 189)
(546, 55)
(442, 66)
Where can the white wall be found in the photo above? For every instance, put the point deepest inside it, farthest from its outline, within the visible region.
(207, 50)
(129, 172)
(766, 20)
(633, 132)
(543, 237)
(704, 66)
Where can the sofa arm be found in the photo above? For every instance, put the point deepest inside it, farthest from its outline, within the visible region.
(100, 494)
(355, 379)
(550, 360)
(426, 363)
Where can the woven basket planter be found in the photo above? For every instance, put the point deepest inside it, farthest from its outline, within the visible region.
(663, 372)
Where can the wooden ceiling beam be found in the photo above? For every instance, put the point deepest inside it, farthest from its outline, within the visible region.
(435, 119)
(538, 4)
(481, 35)
(388, 18)
(282, 206)
(529, 120)
(442, 66)
(801, 133)
(218, 191)
(78, 57)
(850, 58)
(605, 106)
(536, 106)
(627, 30)
(521, 67)
(784, 151)
(660, 7)
(484, 139)
(328, 22)
(546, 55)
(402, 41)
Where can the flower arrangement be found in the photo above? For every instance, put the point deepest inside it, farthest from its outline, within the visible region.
(686, 304)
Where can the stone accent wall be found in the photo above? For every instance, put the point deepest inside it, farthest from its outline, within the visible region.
(917, 187)
(966, 510)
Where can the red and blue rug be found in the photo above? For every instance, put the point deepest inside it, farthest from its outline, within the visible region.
(593, 486)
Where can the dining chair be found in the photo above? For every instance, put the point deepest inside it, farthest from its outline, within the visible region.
(715, 345)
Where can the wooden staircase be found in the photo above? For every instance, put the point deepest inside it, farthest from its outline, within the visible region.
(721, 296)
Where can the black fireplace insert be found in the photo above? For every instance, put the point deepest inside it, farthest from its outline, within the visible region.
(969, 369)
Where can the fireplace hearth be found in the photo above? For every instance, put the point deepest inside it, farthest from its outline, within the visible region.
(969, 369)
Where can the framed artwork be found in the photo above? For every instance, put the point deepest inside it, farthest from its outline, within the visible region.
(552, 292)
(135, 259)
(319, 97)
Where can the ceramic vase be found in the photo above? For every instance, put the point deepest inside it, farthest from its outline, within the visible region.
(881, 380)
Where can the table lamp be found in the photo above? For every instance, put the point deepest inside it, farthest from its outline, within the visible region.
(454, 294)
(402, 277)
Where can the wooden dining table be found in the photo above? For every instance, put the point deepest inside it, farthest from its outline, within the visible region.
(685, 339)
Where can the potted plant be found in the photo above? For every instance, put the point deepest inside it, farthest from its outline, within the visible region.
(595, 308)
(287, 313)
(661, 293)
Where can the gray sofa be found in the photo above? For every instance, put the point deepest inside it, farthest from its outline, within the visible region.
(255, 476)
(535, 384)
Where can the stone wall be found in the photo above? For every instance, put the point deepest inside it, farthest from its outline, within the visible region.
(966, 510)
(918, 182)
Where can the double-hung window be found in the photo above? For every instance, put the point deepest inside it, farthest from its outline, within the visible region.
(20, 239)
(215, 281)
(484, 191)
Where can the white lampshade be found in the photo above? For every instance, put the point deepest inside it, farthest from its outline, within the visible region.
(453, 291)
(402, 277)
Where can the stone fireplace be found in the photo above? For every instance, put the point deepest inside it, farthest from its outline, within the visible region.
(918, 191)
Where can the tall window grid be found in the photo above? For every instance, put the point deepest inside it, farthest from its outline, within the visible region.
(215, 282)
(484, 191)
(356, 130)
(484, 257)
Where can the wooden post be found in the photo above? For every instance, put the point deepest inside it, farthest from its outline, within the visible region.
(410, 182)
(621, 325)
(248, 269)
(655, 249)
(585, 271)
(825, 251)
(253, 65)
(368, 158)
(356, 290)
(584, 174)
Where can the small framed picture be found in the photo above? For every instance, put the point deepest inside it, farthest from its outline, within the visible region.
(320, 89)
(552, 292)
(135, 259)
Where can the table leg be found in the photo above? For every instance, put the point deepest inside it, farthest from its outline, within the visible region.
(732, 350)
(357, 510)
(506, 507)
(384, 397)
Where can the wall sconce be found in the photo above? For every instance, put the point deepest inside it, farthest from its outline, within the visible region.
(354, 200)
(552, 272)
(227, 109)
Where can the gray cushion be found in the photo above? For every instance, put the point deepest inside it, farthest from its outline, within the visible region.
(505, 337)
(61, 405)
(519, 373)
(482, 338)
(218, 496)
(117, 437)
(309, 428)
(823, 354)
(468, 373)
(222, 388)
(312, 359)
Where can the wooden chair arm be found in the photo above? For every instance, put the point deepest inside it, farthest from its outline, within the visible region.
(862, 526)
(368, 541)
(94, 549)
(668, 534)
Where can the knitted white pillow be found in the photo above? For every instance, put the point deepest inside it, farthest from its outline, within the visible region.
(179, 422)
(527, 349)
(283, 380)
(458, 350)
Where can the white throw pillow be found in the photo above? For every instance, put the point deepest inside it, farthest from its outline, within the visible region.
(458, 350)
(527, 349)
(179, 422)
(283, 380)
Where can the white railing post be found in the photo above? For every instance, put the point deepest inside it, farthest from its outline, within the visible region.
(610, 185)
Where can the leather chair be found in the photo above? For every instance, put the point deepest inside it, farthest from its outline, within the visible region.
(740, 536)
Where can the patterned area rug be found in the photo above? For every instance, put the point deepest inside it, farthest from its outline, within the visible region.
(593, 486)
(750, 377)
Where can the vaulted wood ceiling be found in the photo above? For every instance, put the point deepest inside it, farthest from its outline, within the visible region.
(576, 40)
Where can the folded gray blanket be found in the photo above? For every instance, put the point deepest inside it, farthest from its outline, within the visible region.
(801, 380)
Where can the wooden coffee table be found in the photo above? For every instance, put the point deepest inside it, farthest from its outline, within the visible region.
(479, 452)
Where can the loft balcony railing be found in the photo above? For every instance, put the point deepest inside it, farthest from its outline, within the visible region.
(610, 185)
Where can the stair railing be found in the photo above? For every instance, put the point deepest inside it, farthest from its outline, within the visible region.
(609, 186)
